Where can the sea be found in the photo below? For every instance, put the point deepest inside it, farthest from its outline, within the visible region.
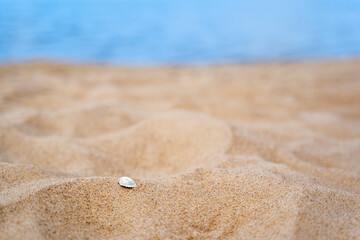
(171, 32)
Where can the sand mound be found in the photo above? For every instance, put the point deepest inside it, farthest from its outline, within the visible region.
(258, 151)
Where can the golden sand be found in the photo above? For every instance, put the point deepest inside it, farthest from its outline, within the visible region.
(263, 151)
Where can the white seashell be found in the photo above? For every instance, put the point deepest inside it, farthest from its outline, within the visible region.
(127, 182)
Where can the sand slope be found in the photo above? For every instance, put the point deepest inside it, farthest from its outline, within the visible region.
(267, 151)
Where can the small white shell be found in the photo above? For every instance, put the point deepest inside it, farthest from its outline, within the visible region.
(127, 182)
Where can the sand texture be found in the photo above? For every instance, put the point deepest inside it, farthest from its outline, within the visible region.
(258, 151)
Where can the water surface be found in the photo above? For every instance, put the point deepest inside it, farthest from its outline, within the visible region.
(178, 31)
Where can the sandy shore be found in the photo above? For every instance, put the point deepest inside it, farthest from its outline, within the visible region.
(265, 151)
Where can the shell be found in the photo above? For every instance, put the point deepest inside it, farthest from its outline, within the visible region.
(127, 182)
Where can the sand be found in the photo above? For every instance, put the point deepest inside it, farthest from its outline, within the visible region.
(252, 151)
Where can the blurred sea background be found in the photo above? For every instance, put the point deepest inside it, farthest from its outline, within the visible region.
(152, 32)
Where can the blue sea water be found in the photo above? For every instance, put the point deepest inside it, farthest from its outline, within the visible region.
(178, 31)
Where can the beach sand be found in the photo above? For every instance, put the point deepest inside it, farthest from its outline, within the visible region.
(252, 151)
